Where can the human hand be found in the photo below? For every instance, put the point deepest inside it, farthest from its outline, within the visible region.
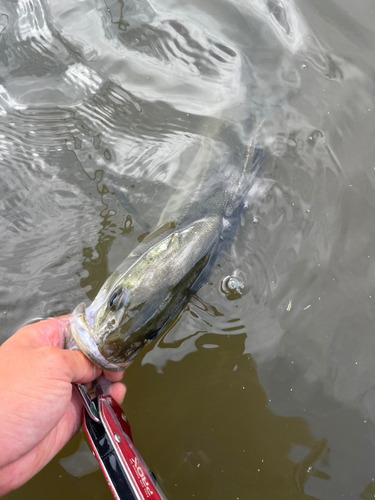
(40, 411)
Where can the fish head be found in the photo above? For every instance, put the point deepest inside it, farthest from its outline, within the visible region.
(142, 295)
(121, 324)
(107, 317)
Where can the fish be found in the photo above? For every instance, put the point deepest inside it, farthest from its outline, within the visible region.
(171, 263)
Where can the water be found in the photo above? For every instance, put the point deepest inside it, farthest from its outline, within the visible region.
(266, 393)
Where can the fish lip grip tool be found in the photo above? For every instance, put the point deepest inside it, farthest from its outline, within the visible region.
(109, 435)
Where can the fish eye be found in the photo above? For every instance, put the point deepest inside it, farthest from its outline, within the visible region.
(114, 301)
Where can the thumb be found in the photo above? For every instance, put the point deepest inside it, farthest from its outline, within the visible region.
(80, 370)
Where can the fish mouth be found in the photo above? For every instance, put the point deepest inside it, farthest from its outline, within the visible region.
(81, 337)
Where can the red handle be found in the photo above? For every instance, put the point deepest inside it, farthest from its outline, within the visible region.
(118, 431)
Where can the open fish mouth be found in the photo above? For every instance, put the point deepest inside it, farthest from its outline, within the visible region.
(81, 337)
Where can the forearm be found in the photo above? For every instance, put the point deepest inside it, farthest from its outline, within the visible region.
(15, 472)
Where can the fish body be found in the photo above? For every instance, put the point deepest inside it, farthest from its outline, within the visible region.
(160, 274)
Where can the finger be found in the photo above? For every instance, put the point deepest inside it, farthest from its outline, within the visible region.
(79, 369)
(114, 376)
(49, 332)
(118, 391)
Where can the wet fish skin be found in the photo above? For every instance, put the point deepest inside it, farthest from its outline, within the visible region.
(154, 281)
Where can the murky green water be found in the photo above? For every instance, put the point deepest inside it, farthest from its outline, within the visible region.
(103, 105)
